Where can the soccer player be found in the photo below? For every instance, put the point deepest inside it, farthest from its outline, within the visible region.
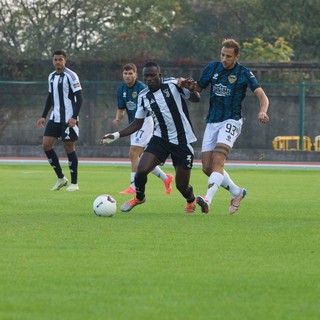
(65, 99)
(173, 134)
(127, 97)
(229, 81)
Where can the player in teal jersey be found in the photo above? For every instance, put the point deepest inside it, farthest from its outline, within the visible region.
(229, 81)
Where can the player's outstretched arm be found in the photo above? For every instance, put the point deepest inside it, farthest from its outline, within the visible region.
(264, 105)
(131, 128)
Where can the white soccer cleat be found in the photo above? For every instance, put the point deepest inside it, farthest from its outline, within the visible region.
(60, 183)
(235, 202)
(73, 187)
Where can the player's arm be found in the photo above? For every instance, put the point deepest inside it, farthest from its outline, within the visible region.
(190, 84)
(194, 96)
(118, 118)
(48, 105)
(264, 105)
(78, 102)
(131, 128)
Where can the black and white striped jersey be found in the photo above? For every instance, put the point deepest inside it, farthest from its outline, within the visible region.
(62, 87)
(169, 110)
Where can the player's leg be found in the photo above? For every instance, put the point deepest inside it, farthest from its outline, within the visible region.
(214, 153)
(237, 193)
(51, 134)
(147, 162)
(135, 152)
(182, 158)
(143, 138)
(69, 138)
(227, 133)
(184, 187)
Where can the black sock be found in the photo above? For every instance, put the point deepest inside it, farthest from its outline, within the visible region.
(188, 194)
(54, 162)
(140, 183)
(73, 166)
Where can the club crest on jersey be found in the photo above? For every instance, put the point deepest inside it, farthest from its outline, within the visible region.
(166, 93)
(232, 78)
(134, 95)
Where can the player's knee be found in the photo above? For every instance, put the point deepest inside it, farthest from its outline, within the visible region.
(207, 170)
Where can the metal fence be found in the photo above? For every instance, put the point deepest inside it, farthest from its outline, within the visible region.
(294, 110)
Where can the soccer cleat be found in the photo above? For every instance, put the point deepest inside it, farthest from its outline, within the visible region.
(128, 205)
(190, 207)
(73, 187)
(203, 203)
(130, 190)
(167, 183)
(60, 183)
(235, 202)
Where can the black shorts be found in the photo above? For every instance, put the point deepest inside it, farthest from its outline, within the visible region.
(182, 155)
(61, 130)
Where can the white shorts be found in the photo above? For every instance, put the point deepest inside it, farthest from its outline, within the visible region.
(141, 137)
(225, 132)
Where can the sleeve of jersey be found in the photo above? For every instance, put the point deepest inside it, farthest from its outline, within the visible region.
(206, 75)
(47, 106)
(253, 82)
(121, 102)
(76, 86)
(141, 112)
(78, 104)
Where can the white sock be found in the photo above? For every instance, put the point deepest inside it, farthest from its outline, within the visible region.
(159, 173)
(228, 184)
(214, 183)
(132, 185)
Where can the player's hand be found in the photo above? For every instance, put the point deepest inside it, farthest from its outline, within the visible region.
(110, 137)
(115, 122)
(263, 117)
(188, 83)
(72, 122)
(40, 122)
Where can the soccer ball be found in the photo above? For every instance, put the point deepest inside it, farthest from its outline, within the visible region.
(105, 206)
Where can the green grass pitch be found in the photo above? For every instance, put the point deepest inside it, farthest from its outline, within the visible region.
(60, 261)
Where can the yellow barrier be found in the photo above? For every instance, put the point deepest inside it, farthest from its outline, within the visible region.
(292, 143)
(316, 143)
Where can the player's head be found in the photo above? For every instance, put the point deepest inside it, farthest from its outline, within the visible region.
(129, 74)
(230, 53)
(152, 75)
(60, 53)
(59, 59)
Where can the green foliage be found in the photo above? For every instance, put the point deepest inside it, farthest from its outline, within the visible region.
(261, 51)
(59, 261)
(180, 32)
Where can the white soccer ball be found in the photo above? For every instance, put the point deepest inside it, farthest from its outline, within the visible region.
(105, 206)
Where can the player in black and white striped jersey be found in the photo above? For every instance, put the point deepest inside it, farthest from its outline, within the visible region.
(65, 99)
(173, 135)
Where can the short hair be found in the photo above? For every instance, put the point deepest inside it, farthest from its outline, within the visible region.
(60, 52)
(130, 66)
(231, 44)
(151, 64)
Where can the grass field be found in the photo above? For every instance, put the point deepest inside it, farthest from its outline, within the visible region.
(60, 261)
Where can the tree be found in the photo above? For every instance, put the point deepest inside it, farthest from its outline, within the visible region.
(261, 51)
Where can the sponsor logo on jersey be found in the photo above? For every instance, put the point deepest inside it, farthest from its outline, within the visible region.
(221, 90)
